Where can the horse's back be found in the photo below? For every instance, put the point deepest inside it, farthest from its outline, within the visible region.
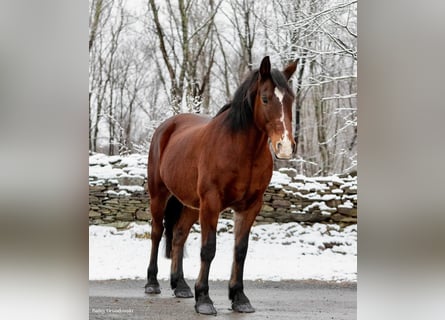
(186, 120)
(174, 126)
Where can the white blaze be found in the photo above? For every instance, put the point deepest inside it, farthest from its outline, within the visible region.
(279, 95)
(286, 145)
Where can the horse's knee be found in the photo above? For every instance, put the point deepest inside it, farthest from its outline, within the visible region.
(241, 248)
(157, 218)
(208, 249)
(156, 231)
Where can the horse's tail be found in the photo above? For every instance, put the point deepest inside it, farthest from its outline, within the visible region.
(172, 213)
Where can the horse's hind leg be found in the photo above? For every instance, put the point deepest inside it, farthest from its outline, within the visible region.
(157, 205)
(243, 223)
(180, 233)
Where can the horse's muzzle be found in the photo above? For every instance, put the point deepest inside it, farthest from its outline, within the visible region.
(284, 149)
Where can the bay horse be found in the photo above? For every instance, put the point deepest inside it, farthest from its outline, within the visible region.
(199, 166)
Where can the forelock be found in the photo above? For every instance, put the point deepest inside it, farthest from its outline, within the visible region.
(279, 80)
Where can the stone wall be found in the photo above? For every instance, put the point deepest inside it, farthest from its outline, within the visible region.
(117, 195)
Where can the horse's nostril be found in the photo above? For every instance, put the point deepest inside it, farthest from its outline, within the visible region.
(279, 145)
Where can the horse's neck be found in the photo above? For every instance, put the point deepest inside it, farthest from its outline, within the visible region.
(254, 141)
(249, 141)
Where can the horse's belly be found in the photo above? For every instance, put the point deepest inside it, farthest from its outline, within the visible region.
(183, 186)
(179, 173)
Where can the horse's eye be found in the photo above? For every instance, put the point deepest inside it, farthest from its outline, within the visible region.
(264, 99)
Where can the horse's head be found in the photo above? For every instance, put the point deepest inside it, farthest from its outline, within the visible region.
(273, 107)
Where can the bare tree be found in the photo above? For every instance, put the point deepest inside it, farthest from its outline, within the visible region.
(323, 34)
(189, 56)
(187, 48)
(119, 77)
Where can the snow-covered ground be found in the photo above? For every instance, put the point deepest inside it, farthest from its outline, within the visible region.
(276, 252)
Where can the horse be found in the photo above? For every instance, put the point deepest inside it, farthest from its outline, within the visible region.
(199, 166)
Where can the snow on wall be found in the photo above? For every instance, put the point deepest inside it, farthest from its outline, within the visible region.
(117, 195)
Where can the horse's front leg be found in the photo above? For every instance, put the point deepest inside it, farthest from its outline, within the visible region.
(243, 223)
(208, 219)
(180, 234)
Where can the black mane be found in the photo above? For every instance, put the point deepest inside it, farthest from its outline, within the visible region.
(240, 114)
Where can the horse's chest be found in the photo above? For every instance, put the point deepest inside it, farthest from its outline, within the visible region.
(249, 185)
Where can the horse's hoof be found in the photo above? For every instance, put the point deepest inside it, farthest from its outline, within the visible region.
(183, 293)
(152, 289)
(245, 307)
(205, 308)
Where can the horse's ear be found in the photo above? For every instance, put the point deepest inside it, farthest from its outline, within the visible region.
(290, 69)
(265, 68)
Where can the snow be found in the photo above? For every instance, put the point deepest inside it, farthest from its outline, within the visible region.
(104, 172)
(347, 204)
(103, 167)
(98, 159)
(276, 252)
(279, 179)
(333, 178)
(142, 172)
(132, 188)
(325, 209)
(328, 197)
(134, 160)
(121, 193)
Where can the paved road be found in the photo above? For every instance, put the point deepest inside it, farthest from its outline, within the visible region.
(125, 299)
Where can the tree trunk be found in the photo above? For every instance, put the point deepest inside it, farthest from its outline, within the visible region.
(321, 132)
